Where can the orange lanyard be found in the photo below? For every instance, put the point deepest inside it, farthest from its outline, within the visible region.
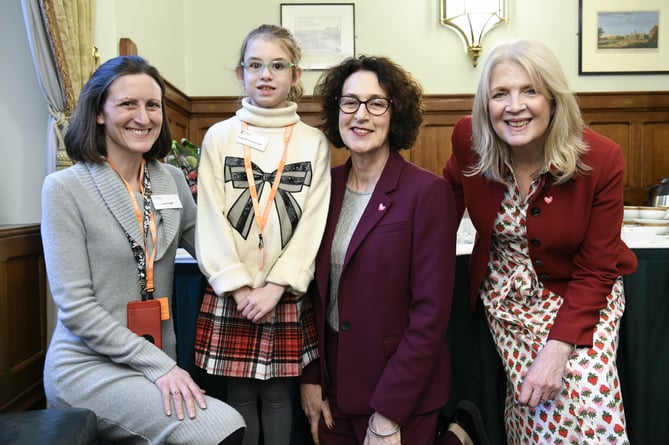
(261, 218)
(145, 229)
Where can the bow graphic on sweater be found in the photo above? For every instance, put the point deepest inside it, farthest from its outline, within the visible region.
(294, 177)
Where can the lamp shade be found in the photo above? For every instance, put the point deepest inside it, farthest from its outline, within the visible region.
(472, 19)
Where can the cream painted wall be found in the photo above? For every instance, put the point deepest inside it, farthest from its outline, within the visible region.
(156, 26)
(195, 43)
(23, 123)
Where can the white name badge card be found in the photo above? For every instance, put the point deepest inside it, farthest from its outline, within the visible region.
(161, 202)
(255, 141)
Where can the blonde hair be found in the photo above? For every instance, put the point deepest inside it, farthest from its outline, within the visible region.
(564, 145)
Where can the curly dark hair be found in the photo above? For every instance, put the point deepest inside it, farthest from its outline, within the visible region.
(85, 138)
(404, 91)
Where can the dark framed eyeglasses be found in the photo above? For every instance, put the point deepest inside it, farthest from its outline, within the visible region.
(276, 67)
(376, 105)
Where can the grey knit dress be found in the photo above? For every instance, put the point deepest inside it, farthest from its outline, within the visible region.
(94, 360)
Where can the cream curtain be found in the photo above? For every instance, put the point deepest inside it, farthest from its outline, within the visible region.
(61, 39)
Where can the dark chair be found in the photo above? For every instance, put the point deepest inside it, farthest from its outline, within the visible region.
(56, 426)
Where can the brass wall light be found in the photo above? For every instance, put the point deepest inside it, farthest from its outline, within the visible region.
(472, 19)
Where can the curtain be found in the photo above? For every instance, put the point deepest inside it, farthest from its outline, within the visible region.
(60, 34)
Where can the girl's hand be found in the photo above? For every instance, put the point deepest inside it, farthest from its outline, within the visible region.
(179, 389)
(240, 295)
(261, 301)
(543, 380)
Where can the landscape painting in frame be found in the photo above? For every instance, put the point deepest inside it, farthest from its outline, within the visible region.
(623, 37)
(324, 31)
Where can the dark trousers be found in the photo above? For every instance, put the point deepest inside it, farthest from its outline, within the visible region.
(350, 429)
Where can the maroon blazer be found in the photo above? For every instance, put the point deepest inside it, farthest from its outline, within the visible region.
(573, 230)
(394, 295)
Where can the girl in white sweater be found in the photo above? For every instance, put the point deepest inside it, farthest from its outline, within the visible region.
(263, 194)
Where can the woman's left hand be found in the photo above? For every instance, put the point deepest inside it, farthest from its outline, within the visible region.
(383, 424)
(178, 388)
(543, 380)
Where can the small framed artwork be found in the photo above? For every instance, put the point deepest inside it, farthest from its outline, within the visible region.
(623, 37)
(324, 31)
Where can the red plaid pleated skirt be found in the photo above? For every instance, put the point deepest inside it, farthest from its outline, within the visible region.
(228, 344)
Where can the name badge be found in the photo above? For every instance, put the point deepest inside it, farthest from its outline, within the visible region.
(161, 202)
(254, 141)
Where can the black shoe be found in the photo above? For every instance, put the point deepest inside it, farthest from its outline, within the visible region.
(468, 416)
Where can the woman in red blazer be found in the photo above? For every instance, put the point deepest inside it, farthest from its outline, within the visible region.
(546, 197)
(384, 273)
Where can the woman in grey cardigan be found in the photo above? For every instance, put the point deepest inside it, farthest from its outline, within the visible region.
(111, 225)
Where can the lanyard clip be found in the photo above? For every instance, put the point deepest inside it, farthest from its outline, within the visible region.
(261, 243)
(147, 293)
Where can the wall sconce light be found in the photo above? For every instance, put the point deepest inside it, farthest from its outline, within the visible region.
(472, 19)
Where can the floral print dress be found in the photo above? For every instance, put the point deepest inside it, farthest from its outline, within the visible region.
(520, 313)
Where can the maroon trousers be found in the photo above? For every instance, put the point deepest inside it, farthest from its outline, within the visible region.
(350, 429)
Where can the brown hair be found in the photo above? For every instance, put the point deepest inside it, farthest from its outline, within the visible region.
(85, 138)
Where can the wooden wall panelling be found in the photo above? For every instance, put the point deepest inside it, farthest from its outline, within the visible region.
(178, 112)
(655, 137)
(206, 111)
(623, 132)
(433, 147)
(637, 121)
(22, 318)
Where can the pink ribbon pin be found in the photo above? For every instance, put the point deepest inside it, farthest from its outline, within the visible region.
(381, 207)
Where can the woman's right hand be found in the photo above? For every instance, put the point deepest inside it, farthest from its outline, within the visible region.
(314, 406)
(543, 380)
(178, 388)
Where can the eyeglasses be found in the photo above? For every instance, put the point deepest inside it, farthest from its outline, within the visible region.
(376, 105)
(276, 67)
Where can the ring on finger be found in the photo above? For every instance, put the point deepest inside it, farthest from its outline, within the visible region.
(176, 393)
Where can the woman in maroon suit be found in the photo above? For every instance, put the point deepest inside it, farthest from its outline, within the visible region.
(384, 273)
(546, 197)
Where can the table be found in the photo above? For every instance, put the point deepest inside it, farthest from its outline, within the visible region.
(643, 353)
(477, 374)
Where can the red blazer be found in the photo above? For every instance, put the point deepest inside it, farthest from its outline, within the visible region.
(573, 230)
(394, 296)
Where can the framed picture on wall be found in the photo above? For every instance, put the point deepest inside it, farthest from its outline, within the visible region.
(623, 37)
(324, 31)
